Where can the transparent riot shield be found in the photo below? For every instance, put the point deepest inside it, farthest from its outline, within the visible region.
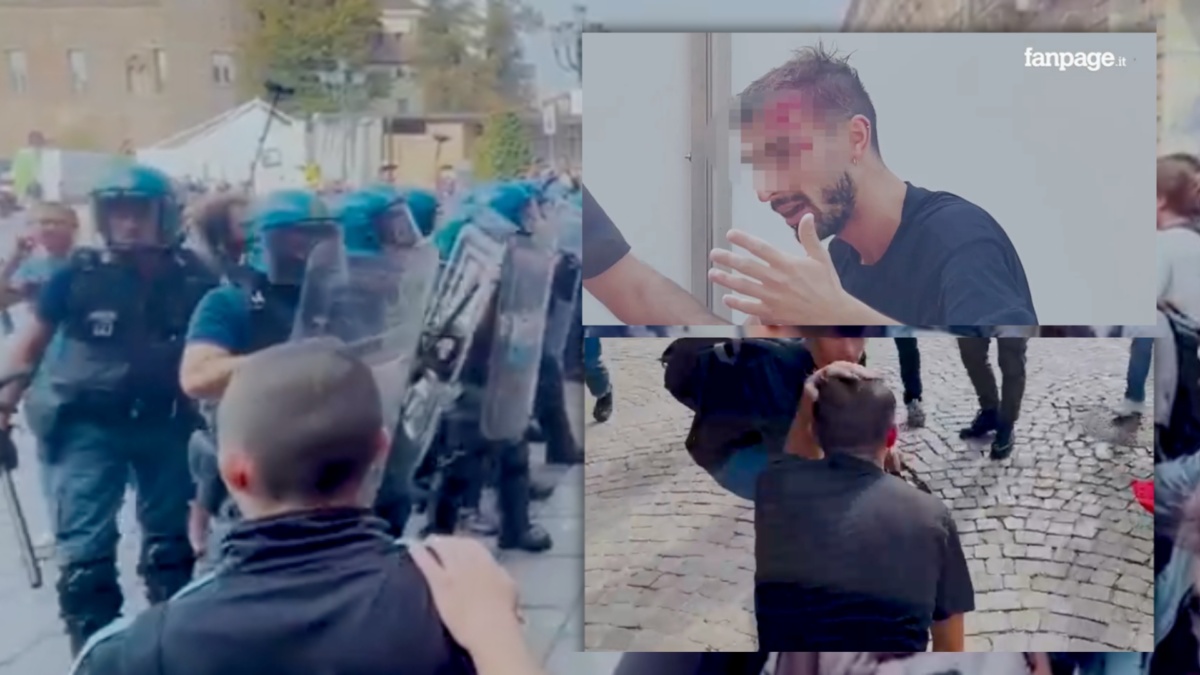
(522, 299)
(464, 290)
(374, 305)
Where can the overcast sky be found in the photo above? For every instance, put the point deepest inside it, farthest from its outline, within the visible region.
(668, 14)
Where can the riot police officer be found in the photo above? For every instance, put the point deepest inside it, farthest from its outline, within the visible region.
(467, 449)
(255, 309)
(378, 223)
(106, 401)
(423, 204)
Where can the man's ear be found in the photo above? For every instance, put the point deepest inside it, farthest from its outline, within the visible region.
(237, 471)
(892, 435)
(383, 444)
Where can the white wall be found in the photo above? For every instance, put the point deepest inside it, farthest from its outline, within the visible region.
(226, 153)
(635, 145)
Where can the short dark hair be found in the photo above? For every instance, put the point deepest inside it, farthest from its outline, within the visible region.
(853, 416)
(308, 414)
(825, 76)
(1186, 158)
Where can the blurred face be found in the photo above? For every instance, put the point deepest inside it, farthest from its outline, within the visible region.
(56, 230)
(801, 161)
(130, 221)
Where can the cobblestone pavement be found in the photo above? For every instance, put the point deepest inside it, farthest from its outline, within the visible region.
(32, 641)
(1059, 553)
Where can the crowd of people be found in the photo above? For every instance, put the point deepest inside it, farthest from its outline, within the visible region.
(271, 464)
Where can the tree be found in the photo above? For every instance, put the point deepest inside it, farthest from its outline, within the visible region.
(447, 69)
(503, 151)
(505, 72)
(293, 41)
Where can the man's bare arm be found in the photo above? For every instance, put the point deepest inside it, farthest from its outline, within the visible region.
(949, 635)
(206, 370)
(639, 296)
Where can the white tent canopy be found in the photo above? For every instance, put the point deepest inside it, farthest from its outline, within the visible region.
(224, 148)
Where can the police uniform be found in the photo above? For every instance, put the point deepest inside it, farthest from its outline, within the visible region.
(468, 451)
(107, 401)
(383, 228)
(247, 314)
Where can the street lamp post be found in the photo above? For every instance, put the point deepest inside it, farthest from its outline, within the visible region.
(568, 42)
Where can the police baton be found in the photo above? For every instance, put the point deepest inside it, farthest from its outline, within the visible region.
(8, 464)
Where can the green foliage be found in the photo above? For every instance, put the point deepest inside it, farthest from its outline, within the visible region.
(292, 41)
(472, 63)
(504, 150)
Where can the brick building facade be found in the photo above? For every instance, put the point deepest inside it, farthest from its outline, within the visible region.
(92, 74)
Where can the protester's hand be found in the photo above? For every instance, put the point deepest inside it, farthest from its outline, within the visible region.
(474, 595)
(780, 288)
(893, 462)
(25, 245)
(837, 370)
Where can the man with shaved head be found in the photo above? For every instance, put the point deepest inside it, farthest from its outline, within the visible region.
(891, 569)
(310, 571)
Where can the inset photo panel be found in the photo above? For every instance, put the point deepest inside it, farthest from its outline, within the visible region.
(918, 179)
(837, 493)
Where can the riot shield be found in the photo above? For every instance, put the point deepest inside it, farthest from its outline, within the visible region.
(374, 305)
(566, 292)
(520, 329)
(464, 290)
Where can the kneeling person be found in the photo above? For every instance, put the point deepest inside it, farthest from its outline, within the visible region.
(891, 566)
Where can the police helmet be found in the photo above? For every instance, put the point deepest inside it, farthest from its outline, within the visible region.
(285, 228)
(136, 206)
(376, 220)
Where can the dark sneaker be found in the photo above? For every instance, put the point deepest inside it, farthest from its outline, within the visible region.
(534, 540)
(916, 416)
(604, 407)
(1002, 444)
(985, 422)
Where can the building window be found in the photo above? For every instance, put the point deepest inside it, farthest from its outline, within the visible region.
(79, 76)
(160, 69)
(18, 71)
(222, 68)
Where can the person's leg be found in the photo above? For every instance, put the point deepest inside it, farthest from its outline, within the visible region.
(974, 353)
(393, 503)
(89, 482)
(163, 488)
(596, 377)
(1141, 354)
(516, 530)
(910, 375)
(1011, 355)
(551, 410)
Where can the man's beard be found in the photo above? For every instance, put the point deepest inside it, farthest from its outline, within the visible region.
(838, 200)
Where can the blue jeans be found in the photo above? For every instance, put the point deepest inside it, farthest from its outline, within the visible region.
(1141, 353)
(739, 474)
(594, 372)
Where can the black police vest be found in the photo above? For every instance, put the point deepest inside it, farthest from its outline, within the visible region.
(123, 339)
(272, 310)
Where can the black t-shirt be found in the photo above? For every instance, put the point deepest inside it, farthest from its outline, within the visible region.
(849, 558)
(603, 245)
(950, 264)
